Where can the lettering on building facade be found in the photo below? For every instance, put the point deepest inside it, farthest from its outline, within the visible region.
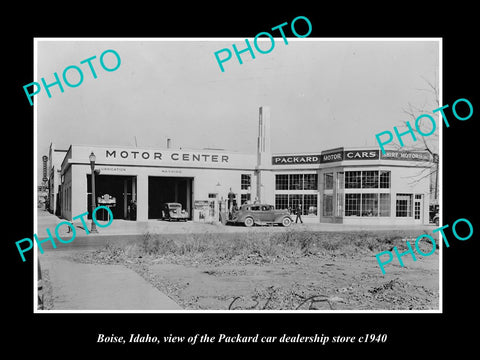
(332, 155)
(175, 156)
(361, 155)
(405, 155)
(339, 154)
(297, 159)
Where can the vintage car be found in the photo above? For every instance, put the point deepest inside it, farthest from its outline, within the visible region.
(434, 214)
(174, 211)
(260, 214)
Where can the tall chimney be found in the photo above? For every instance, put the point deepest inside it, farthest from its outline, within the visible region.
(263, 143)
(264, 155)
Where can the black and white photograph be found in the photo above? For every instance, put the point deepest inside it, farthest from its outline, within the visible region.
(253, 186)
(243, 181)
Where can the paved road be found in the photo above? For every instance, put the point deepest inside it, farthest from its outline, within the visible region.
(123, 232)
(125, 227)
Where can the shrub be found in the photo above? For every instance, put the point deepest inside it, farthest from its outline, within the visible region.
(288, 242)
(153, 245)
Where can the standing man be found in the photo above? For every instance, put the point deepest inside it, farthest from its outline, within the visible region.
(299, 213)
(231, 199)
(133, 210)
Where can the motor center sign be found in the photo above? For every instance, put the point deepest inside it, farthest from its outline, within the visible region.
(180, 158)
(173, 156)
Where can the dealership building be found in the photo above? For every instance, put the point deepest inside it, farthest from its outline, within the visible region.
(342, 185)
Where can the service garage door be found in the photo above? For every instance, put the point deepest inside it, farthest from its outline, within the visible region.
(163, 189)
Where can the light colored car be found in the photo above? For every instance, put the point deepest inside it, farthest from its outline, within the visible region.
(174, 211)
(261, 214)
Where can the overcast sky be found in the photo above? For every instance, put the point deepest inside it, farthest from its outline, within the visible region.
(322, 94)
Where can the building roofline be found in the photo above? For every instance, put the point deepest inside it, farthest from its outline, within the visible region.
(162, 148)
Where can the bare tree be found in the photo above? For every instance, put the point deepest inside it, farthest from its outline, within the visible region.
(426, 143)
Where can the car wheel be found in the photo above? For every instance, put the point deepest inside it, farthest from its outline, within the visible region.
(286, 221)
(249, 222)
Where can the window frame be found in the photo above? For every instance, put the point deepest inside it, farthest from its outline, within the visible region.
(295, 180)
(408, 206)
(383, 172)
(279, 181)
(367, 176)
(328, 184)
(349, 197)
(383, 210)
(244, 183)
(348, 175)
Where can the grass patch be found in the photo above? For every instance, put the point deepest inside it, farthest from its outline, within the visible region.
(287, 243)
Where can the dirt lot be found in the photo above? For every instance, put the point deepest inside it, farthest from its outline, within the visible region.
(280, 271)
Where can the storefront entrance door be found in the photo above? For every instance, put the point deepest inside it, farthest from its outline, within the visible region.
(418, 208)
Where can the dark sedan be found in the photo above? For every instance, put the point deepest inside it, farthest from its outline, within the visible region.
(261, 214)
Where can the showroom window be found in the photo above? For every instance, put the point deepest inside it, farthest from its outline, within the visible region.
(296, 182)
(384, 179)
(384, 204)
(404, 205)
(371, 179)
(353, 179)
(281, 201)
(352, 204)
(310, 201)
(365, 204)
(369, 204)
(281, 182)
(310, 182)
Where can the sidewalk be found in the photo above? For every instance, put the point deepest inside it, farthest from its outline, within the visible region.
(77, 286)
(100, 287)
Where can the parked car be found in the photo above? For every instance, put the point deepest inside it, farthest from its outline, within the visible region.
(261, 214)
(174, 211)
(434, 215)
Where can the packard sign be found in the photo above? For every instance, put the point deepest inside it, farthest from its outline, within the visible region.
(295, 159)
